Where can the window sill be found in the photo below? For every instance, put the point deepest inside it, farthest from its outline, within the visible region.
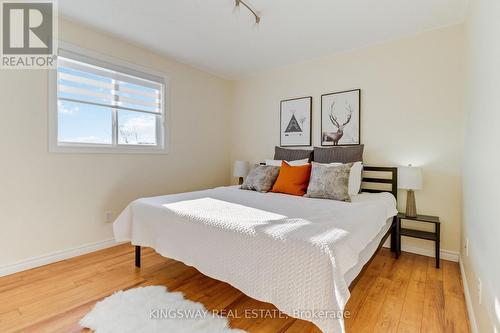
(107, 150)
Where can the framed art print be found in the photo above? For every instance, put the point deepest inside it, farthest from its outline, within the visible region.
(295, 119)
(340, 118)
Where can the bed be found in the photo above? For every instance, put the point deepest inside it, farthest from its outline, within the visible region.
(300, 254)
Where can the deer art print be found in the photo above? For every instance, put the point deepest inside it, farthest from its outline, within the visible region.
(336, 136)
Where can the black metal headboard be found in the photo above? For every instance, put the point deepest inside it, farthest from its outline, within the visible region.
(393, 180)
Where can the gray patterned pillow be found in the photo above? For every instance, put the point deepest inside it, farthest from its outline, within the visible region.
(329, 182)
(261, 178)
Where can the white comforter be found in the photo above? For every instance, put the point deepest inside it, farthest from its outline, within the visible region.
(290, 251)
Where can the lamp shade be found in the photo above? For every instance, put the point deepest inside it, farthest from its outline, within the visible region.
(410, 178)
(241, 168)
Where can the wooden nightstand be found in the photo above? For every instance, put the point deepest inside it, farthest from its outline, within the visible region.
(433, 236)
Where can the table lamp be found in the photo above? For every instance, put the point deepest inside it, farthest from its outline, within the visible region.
(410, 179)
(240, 170)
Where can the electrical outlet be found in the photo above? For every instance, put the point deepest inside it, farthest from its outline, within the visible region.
(466, 247)
(479, 290)
(109, 216)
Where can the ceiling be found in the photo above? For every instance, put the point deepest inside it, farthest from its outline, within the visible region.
(211, 35)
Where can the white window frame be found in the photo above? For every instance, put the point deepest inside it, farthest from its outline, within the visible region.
(163, 131)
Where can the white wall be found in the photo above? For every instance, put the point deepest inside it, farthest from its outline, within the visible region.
(481, 160)
(412, 106)
(52, 202)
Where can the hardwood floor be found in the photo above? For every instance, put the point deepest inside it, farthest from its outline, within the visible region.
(405, 295)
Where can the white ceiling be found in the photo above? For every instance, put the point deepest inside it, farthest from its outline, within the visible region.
(210, 35)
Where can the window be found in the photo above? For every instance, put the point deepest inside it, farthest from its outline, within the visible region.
(105, 106)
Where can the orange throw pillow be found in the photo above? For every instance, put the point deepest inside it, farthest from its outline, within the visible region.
(292, 179)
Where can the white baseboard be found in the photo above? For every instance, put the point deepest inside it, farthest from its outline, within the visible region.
(468, 300)
(54, 257)
(444, 254)
(77, 251)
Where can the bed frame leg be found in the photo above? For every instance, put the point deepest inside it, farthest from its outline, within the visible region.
(393, 237)
(393, 243)
(138, 256)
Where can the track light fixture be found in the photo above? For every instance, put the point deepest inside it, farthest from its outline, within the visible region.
(241, 2)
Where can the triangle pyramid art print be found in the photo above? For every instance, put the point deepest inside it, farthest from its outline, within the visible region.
(293, 125)
(295, 122)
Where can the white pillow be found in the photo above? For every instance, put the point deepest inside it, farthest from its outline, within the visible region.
(355, 177)
(291, 163)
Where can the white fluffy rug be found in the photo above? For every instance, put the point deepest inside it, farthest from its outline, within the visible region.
(150, 310)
